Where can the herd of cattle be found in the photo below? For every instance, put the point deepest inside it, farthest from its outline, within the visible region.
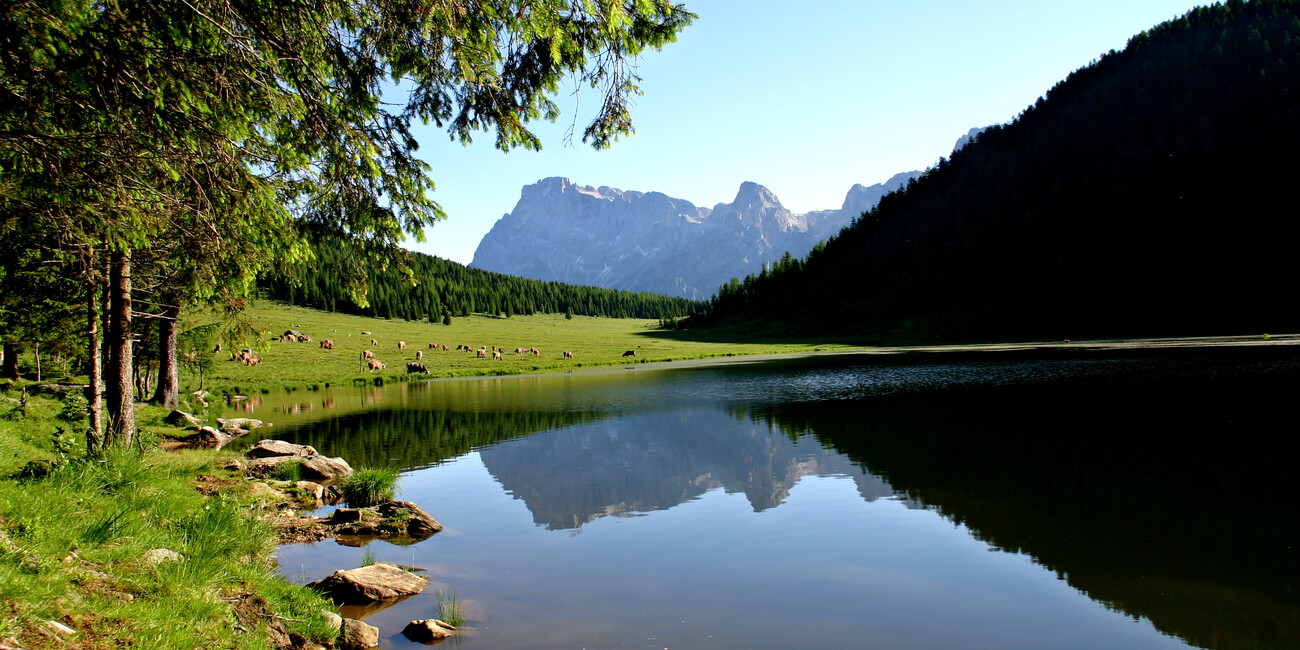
(250, 358)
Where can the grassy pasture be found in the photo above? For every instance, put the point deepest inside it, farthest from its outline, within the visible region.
(593, 342)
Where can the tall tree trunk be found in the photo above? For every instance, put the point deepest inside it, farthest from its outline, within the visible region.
(120, 402)
(94, 436)
(37, 348)
(11, 361)
(168, 393)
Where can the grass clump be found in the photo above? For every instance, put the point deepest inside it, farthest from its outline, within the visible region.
(369, 486)
(449, 608)
(288, 471)
(368, 556)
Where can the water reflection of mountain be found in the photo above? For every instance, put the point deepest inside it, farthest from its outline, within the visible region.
(641, 463)
(412, 438)
(1170, 497)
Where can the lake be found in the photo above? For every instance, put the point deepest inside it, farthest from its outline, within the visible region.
(1135, 500)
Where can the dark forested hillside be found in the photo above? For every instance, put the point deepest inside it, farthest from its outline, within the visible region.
(1151, 192)
(439, 289)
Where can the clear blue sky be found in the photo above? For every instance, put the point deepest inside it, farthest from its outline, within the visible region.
(803, 98)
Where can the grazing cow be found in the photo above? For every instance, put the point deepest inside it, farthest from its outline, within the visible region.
(536, 352)
(482, 352)
(365, 333)
(496, 354)
(412, 367)
(519, 350)
(367, 354)
(303, 338)
(376, 364)
(327, 344)
(568, 355)
(373, 342)
(251, 360)
(401, 345)
(216, 349)
(630, 353)
(419, 354)
(433, 346)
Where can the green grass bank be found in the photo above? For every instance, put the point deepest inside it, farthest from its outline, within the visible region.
(141, 549)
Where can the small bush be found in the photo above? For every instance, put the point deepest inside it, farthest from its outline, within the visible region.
(75, 408)
(369, 486)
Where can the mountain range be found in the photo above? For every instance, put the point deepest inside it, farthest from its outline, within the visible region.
(649, 241)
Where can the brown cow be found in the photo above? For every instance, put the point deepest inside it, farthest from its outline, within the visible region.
(496, 354)
(444, 348)
(367, 354)
(374, 342)
(568, 355)
(376, 364)
(519, 350)
(536, 353)
(482, 352)
(216, 349)
(433, 346)
(419, 354)
(412, 367)
(327, 344)
(401, 345)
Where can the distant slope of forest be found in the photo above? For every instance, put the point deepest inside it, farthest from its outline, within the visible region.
(1149, 193)
(439, 289)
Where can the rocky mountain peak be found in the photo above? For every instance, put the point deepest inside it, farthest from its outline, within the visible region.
(754, 196)
(862, 198)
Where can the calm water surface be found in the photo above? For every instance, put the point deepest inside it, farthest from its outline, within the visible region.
(833, 503)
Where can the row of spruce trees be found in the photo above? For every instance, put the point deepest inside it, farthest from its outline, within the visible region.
(430, 288)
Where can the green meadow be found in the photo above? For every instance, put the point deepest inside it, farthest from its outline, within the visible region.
(593, 342)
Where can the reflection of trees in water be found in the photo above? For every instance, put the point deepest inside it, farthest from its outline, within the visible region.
(1170, 498)
(410, 439)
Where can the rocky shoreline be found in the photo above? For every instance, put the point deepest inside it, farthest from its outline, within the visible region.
(282, 503)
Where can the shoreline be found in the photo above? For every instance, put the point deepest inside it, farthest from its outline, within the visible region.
(932, 353)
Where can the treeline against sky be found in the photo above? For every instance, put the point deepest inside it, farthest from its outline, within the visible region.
(436, 290)
(1149, 193)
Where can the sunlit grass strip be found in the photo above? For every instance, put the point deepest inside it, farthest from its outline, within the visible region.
(594, 342)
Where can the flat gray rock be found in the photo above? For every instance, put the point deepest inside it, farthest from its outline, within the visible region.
(370, 583)
(277, 448)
